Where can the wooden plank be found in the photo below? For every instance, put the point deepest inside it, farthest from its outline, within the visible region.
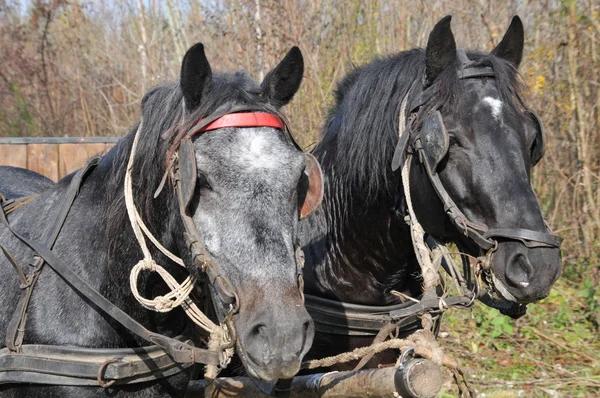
(13, 155)
(43, 159)
(73, 156)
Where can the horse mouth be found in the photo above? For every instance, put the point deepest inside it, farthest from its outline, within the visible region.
(252, 368)
(500, 288)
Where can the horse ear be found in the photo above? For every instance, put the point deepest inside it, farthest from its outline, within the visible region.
(195, 75)
(511, 46)
(281, 83)
(441, 49)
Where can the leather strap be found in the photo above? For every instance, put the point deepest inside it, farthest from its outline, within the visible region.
(16, 327)
(179, 352)
(76, 366)
(530, 238)
(473, 72)
(13, 262)
(337, 317)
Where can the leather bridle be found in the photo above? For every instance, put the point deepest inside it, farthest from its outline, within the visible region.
(183, 175)
(416, 143)
(428, 139)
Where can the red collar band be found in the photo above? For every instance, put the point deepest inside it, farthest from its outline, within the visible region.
(246, 119)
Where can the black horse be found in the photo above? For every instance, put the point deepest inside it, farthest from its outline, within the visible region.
(245, 205)
(483, 143)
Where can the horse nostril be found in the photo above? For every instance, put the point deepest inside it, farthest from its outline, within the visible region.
(258, 330)
(306, 326)
(519, 271)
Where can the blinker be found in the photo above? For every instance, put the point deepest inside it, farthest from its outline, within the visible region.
(314, 193)
(434, 139)
(187, 171)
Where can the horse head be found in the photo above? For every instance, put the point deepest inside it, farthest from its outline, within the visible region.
(242, 185)
(478, 142)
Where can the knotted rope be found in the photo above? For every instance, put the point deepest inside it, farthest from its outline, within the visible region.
(179, 294)
(424, 345)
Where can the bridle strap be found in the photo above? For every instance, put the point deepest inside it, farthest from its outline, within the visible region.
(480, 234)
(529, 237)
(474, 72)
(246, 119)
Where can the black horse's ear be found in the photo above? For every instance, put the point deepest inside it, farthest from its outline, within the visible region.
(511, 46)
(441, 49)
(195, 75)
(281, 83)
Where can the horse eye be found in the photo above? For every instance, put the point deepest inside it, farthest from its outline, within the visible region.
(202, 182)
(453, 141)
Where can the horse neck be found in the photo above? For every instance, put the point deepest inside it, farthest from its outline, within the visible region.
(84, 244)
(356, 252)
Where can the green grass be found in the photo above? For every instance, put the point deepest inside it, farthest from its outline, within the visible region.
(553, 351)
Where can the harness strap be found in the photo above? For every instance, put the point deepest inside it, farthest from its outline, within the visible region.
(180, 352)
(13, 262)
(10, 205)
(16, 327)
(530, 238)
(76, 366)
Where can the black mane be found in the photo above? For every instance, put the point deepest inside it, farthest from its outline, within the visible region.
(361, 131)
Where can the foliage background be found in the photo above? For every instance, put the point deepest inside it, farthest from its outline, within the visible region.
(80, 68)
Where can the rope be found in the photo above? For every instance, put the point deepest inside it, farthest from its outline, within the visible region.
(429, 272)
(179, 294)
(423, 341)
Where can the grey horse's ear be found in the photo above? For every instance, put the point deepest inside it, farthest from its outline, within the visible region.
(281, 83)
(441, 49)
(196, 75)
(510, 47)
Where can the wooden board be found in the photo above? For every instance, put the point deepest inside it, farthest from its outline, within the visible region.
(73, 156)
(13, 155)
(43, 159)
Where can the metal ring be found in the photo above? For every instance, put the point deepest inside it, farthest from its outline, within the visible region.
(101, 371)
(409, 350)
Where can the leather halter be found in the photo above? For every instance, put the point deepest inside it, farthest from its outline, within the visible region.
(183, 175)
(484, 237)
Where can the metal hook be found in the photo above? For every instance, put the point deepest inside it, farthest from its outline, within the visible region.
(101, 371)
(409, 350)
